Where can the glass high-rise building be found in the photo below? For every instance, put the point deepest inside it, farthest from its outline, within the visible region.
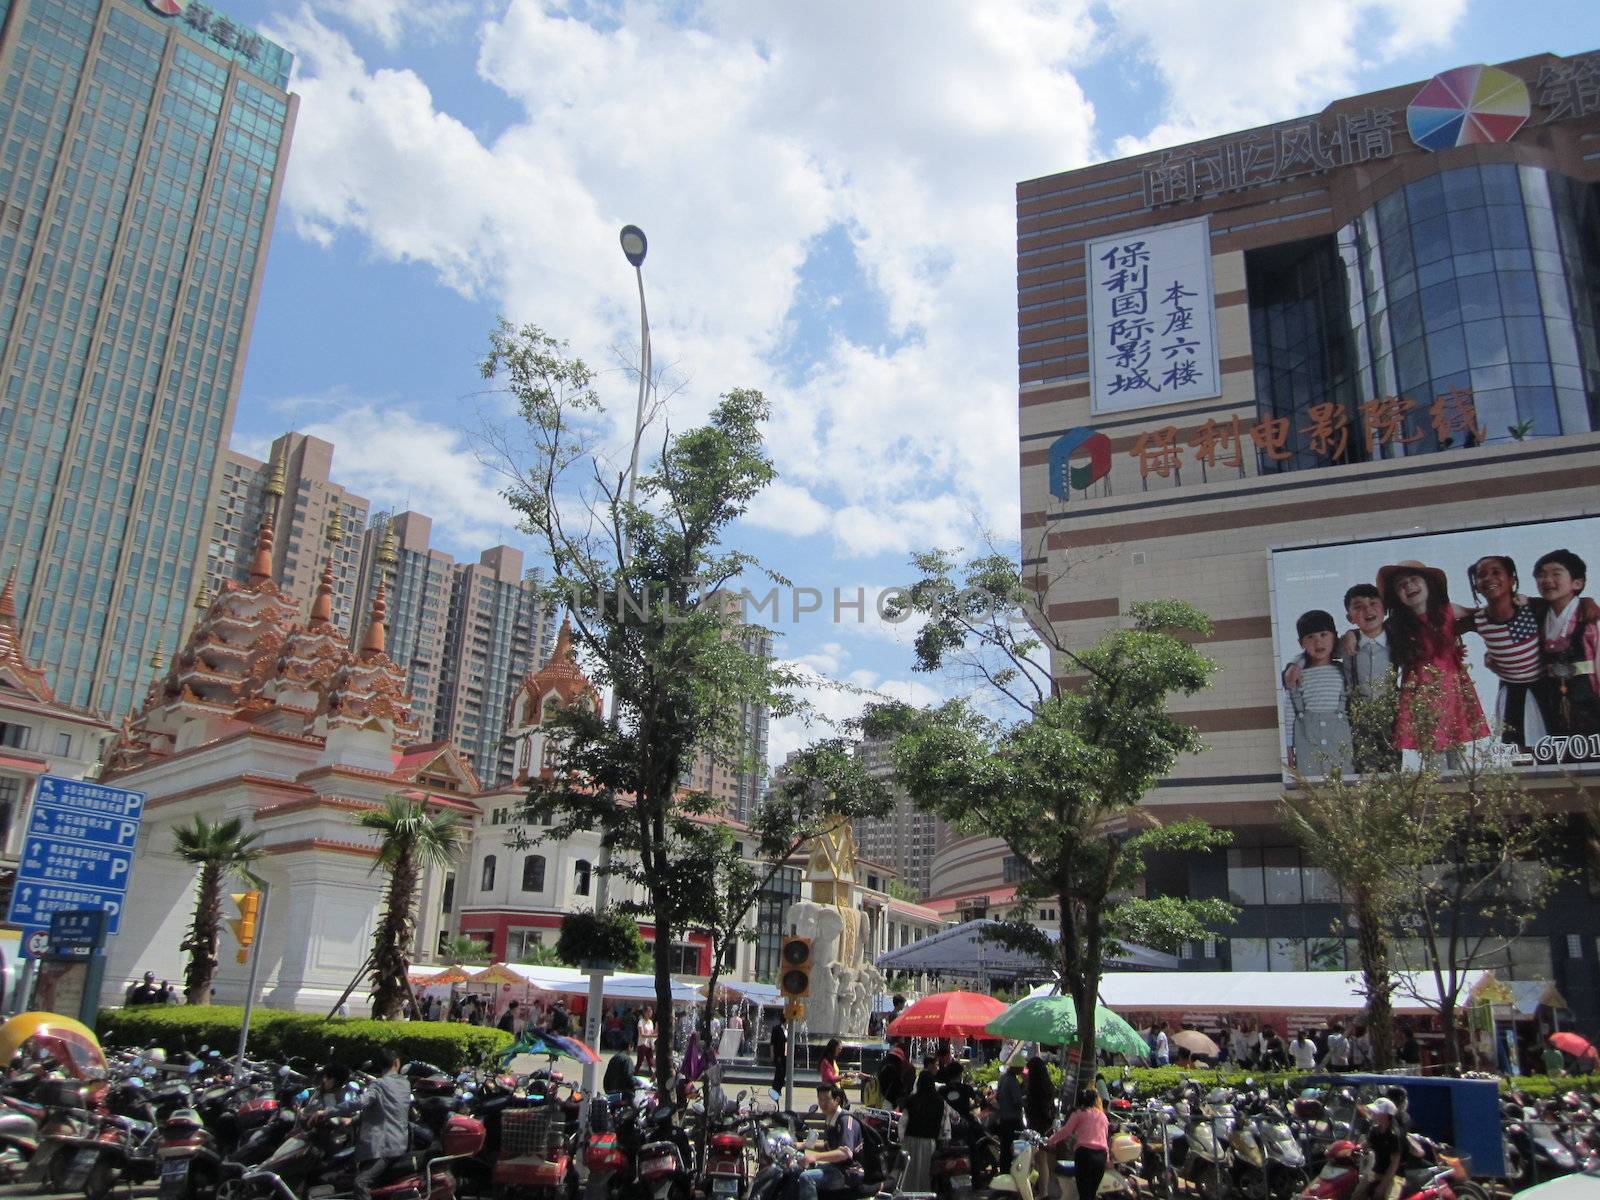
(141, 158)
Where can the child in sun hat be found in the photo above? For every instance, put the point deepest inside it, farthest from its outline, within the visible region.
(1423, 638)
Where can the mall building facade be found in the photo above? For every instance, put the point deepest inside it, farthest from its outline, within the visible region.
(1258, 368)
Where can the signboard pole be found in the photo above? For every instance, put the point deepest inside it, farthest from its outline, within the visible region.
(255, 967)
(24, 994)
(788, 1073)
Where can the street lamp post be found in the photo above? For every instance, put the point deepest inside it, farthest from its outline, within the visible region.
(634, 247)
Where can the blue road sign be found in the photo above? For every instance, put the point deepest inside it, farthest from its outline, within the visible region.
(75, 864)
(78, 852)
(33, 904)
(74, 825)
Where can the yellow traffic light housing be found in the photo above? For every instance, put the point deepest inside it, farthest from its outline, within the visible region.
(794, 967)
(244, 925)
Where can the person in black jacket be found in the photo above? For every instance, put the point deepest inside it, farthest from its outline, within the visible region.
(779, 1041)
(926, 1122)
(1039, 1104)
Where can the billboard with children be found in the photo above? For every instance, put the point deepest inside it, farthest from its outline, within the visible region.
(1482, 640)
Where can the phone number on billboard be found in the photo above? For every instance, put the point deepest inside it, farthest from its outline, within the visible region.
(1573, 748)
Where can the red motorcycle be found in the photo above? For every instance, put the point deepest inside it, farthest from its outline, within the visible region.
(1340, 1173)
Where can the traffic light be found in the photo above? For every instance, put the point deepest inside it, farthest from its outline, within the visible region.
(794, 973)
(244, 925)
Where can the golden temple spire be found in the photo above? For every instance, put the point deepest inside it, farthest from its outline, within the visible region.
(202, 596)
(275, 481)
(322, 606)
(373, 642)
(8, 598)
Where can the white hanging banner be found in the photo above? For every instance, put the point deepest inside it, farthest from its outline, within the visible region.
(1152, 318)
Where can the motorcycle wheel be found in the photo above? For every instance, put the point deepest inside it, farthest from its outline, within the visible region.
(101, 1181)
(1468, 1190)
(56, 1171)
(202, 1184)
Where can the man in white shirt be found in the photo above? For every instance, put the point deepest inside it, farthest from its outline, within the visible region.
(1304, 1052)
(1338, 1049)
(1239, 1046)
(1163, 1047)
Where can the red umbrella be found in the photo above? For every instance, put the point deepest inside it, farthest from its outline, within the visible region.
(1567, 1043)
(948, 1014)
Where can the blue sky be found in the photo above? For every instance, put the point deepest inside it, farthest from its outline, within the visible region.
(828, 190)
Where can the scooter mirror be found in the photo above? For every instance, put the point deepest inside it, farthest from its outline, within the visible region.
(775, 1095)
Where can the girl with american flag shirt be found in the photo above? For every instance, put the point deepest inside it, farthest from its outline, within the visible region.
(1509, 624)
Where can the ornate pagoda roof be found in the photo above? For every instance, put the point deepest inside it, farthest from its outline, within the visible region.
(369, 690)
(560, 675)
(15, 669)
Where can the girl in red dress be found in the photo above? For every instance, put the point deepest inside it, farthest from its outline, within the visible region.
(1422, 638)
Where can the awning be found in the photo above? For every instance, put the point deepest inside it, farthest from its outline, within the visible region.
(1218, 993)
(764, 994)
(1528, 996)
(569, 981)
(961, 951)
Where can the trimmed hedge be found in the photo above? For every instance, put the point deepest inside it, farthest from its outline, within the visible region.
(275, 1034)
(1149, 1081)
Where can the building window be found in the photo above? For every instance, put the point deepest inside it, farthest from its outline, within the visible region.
(447, 899)
(14, 735)
(1277, 875)
(63, 745)
(10, 798)
(520, 943)
(533, 873)
(486, 883)
(1011, 870)
(580, 877)
(772, 918)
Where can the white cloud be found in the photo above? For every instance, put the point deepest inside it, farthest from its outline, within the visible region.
(390, 20)
(1300, 56)
(737, 140)
(833, 704)
(399, 460)
(788, 509)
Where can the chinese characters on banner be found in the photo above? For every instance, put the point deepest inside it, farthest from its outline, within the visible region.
(1325, 431)
(1570, 88)
(1152, 318)
(1269, 156)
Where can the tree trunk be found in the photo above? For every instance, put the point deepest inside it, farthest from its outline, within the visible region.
(664, 1026)
(1378, 984)
(1452, 1035)
(1085, 998)
(202, 940)
(389, 943)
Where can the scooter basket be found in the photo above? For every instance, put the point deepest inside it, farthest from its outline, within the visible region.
(532, 1130)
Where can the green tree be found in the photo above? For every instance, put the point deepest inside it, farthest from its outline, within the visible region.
(899, 889)
(1492, 873)
(1363, 831)
(642, 574)
(464, 949)
(221, 850)
(410, 839)
(1062, 780)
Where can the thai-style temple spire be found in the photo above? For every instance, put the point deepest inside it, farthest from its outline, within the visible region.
(13, 662)
(377, 633)
(202, 596)
(322, 606)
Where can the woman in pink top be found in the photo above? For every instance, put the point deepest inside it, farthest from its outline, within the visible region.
(1084, 1134)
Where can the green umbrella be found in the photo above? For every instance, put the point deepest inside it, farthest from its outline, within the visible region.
(1053, 1021)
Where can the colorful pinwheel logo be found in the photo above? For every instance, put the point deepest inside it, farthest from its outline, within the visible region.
(1468, 106)
(1064, 475)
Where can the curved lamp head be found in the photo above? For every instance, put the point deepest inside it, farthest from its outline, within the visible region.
(634, 244)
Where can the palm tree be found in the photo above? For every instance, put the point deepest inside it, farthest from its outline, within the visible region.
(409, 839)
(465, 949)
(220, 850)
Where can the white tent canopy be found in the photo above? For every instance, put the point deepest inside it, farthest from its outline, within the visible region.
(569, 981)
(1222, 992)
(962, 950)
